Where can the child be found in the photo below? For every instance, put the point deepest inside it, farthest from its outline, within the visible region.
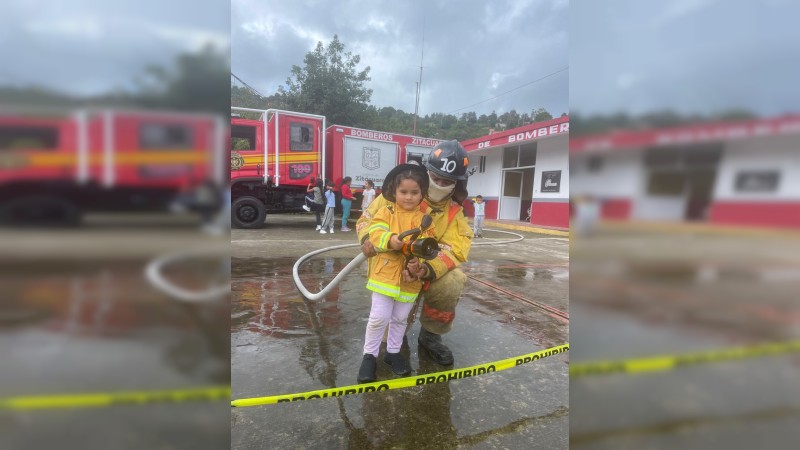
(314, 200)
(477, 228)
(368, 194)
(394, 289)
(327, 221)
(347, 201)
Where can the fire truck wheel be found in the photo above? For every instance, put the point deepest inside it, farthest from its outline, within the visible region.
(39, 211)
(248, 212)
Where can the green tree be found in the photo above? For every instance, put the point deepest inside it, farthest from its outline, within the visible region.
(540, 115)
(330, 84)
(469, 117)
(511, 119)
(245, 98)
(196, 82)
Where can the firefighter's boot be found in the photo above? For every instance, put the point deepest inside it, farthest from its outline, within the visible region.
(366, 374)
(398, 362)
(432, 343)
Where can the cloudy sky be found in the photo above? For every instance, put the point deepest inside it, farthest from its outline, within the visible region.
(473, 51)
(694, 56)
(89, 47)
(623, 55)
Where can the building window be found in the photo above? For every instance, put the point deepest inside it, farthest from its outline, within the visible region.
(527, 155)
(301, 138)
(662, 157)
(684, 156)
(510, 157)
(22, 137)
(482, 164)
(666, 183)
(161, 136)
(757, 181)
(595, 163)
(703, 155)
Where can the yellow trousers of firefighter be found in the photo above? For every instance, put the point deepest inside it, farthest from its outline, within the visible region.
(440, 300)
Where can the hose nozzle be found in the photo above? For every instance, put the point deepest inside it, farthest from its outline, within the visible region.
(426, 248)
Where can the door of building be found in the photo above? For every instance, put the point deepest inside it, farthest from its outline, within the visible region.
(511, 198)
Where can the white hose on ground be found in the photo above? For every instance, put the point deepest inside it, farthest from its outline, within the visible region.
(343, 273)
(360, 258)
(153, 273)
(511, 241)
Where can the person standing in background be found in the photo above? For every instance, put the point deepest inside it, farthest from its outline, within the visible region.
(477, 227)
(327, 221)
(347, 201)
(314, 200)
(368, 194)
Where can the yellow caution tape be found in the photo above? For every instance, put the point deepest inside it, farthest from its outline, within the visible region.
(669, 362)
(400, 383)
(97, 400)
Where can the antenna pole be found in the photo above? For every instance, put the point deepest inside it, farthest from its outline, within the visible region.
(419, 83)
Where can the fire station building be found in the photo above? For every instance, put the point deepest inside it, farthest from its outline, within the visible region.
(523, 173)
(734, 173)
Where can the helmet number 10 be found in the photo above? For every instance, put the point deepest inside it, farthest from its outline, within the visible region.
(448, 166)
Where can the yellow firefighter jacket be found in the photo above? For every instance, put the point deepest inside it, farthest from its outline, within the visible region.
(451, 230)
(386, 268)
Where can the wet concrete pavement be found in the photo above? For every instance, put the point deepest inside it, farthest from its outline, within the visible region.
(282, 343)
(80, 322)
(637, 294)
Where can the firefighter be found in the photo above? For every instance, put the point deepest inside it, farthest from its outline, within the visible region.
(443, 281)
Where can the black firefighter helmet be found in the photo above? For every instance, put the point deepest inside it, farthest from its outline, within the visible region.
(448, 160)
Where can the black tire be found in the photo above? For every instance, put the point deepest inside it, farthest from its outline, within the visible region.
(39, 211)
(248, 212)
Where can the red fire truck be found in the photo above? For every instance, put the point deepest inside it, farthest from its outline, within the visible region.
(266, 177)
(56, 165)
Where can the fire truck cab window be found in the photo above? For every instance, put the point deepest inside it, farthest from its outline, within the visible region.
(243, 137)
(418, 157)
(21, 137)
(160, 136)
(300, 138)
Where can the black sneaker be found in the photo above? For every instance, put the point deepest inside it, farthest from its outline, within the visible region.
(366, 374)
(432, 343)
(399, 363)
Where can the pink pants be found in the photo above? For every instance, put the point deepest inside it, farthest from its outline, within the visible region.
(386, 311)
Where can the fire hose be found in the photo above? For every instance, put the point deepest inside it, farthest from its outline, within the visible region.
(154, 274)
(360, 258)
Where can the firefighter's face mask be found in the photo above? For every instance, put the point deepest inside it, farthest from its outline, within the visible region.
(437, 192)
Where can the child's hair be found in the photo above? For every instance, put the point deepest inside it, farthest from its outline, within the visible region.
(369, 183)
(414, 175)
(346, 180)
(329, 184)
(480, 197)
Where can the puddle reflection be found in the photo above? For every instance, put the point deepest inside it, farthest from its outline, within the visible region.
(95, 307)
